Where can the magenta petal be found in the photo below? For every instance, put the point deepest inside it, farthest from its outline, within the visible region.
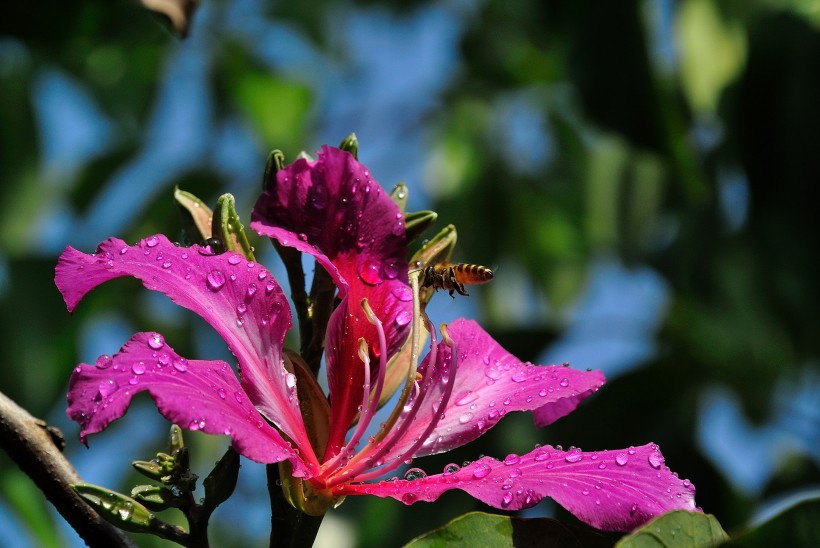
(239, 298)
(609, 490)
(334, 210)
(489, 383)
(195, 394)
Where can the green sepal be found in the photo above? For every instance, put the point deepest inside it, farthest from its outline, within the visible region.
(181, 477)
(221, 482)
(155, 497)
(417, 222)
(351, 145)
(151, 469)
(302, 496)
(399, 196)
(175, 439)
(118, 509)
(227, 226)
(196, 217)
(276, 161)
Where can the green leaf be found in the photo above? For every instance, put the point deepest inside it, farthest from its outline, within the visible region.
(493, 531)
(417, 222)
(679, 528)
(351, 145)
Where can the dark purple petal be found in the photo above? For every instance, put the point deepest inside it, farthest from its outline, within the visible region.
(610, 490)
(334, 210)
(195, 394)
(239, 298)
(489, 383)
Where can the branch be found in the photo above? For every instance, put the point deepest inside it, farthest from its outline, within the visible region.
(36, 449)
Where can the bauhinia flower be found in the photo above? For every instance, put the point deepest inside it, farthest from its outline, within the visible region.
(274, 412)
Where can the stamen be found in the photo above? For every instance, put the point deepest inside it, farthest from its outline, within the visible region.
(410, 382)
(364, 411)
(445, 398)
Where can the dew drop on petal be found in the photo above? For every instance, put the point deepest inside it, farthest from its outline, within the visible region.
(467, 398)
(369, 272)
(655, 460)
(180, 364)
(104, 361)
(221, 393)
(290, 380)
(481, 471)
(241, 308)
(391, 270)
(574, 456)
(511, 459)
(152, 241)
(163, 359)
(414, 474)
(251, 291)
(621, 459)
(138, 368)
(564, 382)
(106, 388)
(519, 376)
(234, 259)
(403, 293)
(506, 499)
(542, 455)
(451, 468)
(403, 318)
(156, 341)
(215, 279)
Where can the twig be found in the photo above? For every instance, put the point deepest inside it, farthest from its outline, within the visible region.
(33, 446)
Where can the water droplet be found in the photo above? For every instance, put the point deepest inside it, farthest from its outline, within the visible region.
(369, 272)
(403, 293)
(215, 279)
(262, 275)
(655, 460)
(403, 318)
(156, 341)
(241, 308)
(506, 499)
(138, 368)
(221, 393)
(163, 359)
(290, 380)
(238, 396)
(493, 373)
(166, 265)
(481, 471)
(152, 241)
(621, 459)
(451, 468)
(414, 474)
(465, 418)
(398, 228)
(269, 287)
(133, 380)
(234, 259)
(180, 364)
(519, 376)
(302, 236)
(511, 459)
(468, 397)
(574, 456)
(106, 388)
(391, 270)
(124, 250)
(542, 456)
(104, 361)
(251, 291)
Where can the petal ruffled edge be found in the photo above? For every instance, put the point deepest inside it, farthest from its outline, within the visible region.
(609, 490)
(196, 395)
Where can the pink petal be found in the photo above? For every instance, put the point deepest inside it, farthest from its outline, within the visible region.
(489, 383)
(195, 394)
(334, 210)
(610, 490)
(240, 299)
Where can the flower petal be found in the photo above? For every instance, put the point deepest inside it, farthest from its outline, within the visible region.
(195, 394)
(610, 490)
(489, 383)
(334, 210)
(239, 298)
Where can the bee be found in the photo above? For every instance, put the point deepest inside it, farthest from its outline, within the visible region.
(453, 277)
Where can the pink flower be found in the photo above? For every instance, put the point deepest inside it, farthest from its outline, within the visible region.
(332, 209)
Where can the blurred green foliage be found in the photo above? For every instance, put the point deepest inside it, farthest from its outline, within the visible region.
(679, 135)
